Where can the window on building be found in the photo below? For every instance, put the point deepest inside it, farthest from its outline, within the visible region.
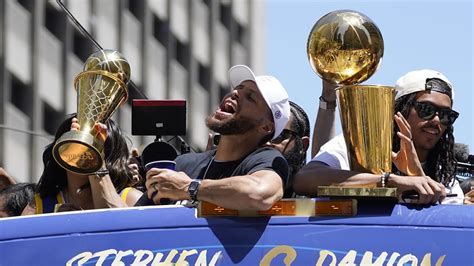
(27, 4)
(208, 3)
(240, 34)
(21, 94)
(82, 46)
(54, 20)
(161, 30)
(204, 77)
(182, 53)
(225, 15)
(136, 7)
(223, 91)
(52, 119)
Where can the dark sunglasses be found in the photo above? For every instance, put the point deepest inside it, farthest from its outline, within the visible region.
(427, 111)
(285, 134)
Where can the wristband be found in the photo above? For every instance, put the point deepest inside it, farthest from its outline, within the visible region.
(384, 179)
(325, 105)
(100, 173)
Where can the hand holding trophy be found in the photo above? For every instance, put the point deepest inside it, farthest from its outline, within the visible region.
(345, 47)
(101, 88)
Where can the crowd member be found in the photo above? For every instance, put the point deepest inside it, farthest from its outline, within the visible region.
(5, 179)
(14, 198)
(324, 130)
(239, 173)
(423, 143)
(79, 191)
(135, 166)
(469, 198)
(464, 171)
(293, 142)
(299, 133)
(467, 187)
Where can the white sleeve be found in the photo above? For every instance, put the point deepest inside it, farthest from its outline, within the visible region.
(454, 189)
(334, 154)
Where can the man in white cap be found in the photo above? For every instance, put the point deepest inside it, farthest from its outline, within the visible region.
(240, 174)
(423, 143)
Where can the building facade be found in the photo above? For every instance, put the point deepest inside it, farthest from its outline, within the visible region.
(177, 49)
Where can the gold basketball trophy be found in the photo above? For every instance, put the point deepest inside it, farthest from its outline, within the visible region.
(345, 47)
(101, 88)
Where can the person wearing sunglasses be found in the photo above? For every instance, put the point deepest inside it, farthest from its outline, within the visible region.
(423, 157)
(293, 142)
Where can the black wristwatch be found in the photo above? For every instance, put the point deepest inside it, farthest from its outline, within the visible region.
(193, 189)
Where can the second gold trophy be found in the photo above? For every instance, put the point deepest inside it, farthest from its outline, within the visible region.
(345, 47)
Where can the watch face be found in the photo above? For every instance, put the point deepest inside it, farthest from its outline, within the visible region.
(193, 189)
(193, 186)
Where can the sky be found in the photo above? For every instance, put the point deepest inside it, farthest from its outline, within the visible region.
(436, 35)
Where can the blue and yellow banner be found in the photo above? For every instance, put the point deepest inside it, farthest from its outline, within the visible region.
(390, 235)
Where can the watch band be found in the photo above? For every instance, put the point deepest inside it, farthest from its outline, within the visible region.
(193, 189)
(325, 105)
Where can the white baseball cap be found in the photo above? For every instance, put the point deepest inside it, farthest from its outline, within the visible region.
(272, 91)
(416, 81)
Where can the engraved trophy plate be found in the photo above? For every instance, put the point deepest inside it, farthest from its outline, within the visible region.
(338, 191)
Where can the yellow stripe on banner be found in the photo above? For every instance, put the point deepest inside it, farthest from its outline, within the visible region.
(287, 207)
(336, 207)
(124, 193)
(39, 204)
(208, 209)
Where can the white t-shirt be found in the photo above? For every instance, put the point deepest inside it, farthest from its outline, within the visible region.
(334, 154)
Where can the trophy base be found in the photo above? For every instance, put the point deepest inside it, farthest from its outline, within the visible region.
(357, 192)
(79, 152)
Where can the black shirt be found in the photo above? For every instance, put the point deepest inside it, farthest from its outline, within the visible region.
(203, 165)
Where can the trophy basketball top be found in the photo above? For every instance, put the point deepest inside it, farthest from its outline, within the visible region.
(107, 63)
(345, 47)
(110, 61)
